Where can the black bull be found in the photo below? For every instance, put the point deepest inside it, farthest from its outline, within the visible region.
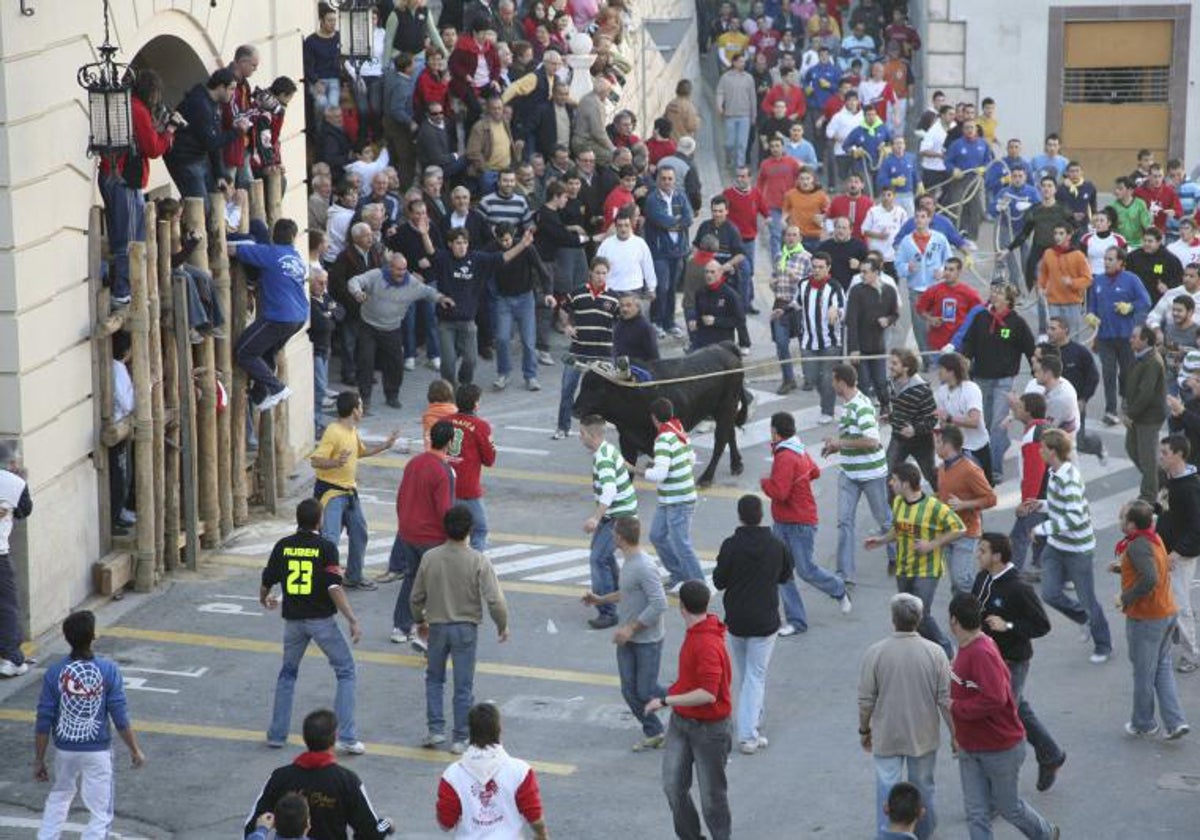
(722, 398)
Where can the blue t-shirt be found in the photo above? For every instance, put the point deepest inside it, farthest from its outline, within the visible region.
(78, 698)
(281, 285)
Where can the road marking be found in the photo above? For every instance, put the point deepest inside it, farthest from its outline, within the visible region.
(225, 733)
(517, 450)
(546, 539)
(69, 828)
(540, 560)
(227, 609)
(194, 673)
(139, 684)
(509, 550)
(537, 430)
(258, 646)
(562, 574)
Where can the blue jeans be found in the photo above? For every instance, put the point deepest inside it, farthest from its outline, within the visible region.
(849, 492)
(320, 383)
(296, 636)
(890, 770)
(960, 560)
(671, 536)
(125, 215)
(432, 348)
(488, 179)
(737, 139)
(925, 588)
(920, 327)
(989, 782)
(637, 665)
(458, 340)
(746, 270)
(1075, 566)
(605, 572)
(1149, 643)
(818, 372)
(995, 409)
(1044, 746)
(518, 309)
(454, 641)
(402, 618)
(479, 523)
(1021, 537)
(667, 272)
(775, 233)
(781, 334)
(800, 539)
(192, 177)
(346, 512)
(751, 656)
(566, 400)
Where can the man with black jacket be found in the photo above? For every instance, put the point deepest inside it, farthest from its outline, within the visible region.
(913, 414)
(751, 566)
(1079, 368)
(337, 798)
(195, 161)
(359, 257)
(1183, 412)
(522, 284)
(1179, 528)
(1012, 616)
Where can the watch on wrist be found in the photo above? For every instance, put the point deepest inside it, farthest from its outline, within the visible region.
(1008, 625)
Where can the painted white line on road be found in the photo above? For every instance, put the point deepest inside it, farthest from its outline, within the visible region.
(509, 550)
(562, 574)
(536, 430)
(540, 561)
(252, 548)
(139, 684)
(70, 828)
(517, 450)
(193, 673)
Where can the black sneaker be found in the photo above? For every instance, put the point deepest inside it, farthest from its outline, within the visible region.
(364, 584)
(1048, 772)
(602, 622)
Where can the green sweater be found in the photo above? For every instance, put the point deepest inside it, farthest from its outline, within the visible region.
(1145, 390)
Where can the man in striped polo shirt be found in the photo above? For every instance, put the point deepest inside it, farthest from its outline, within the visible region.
(1070, 542)
(922, 527)
(506, 204)
(592, 309)
(615, 498)
(864, 466)
(822, 302)
(674, 460)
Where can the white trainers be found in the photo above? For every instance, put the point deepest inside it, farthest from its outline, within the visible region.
(433, 741)
(846, 605)
(1178, 732)
(1099, 658)
(458, 747)
(787, 630)
(8, 669)
(751, 747)
(501, 382)
(825, 419)
(544, 358)
(275, 399)
(532, 385)
(1130, 729)
(398, 637)
(410, 363)
(351, 747)
(434, 364)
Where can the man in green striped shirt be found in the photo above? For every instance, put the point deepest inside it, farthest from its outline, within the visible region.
(674, 460)
(1070, 544)
(864, 467)
(615, 498)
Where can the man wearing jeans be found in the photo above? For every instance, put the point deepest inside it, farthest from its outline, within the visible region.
(668, 219)
(922, 527)
(615, 498)
(962, 485)
(903, 694)
(698, 736)
(641, 603)
(737, 102)
(1070, 541)
(521, 286)
(672, 471)
(470, 451)
(305, 565)
(822, 302)
(794, 510)
(751, 566)
(864, 467)
(1118, 302)
(452, 586)
(592, 309)
(335, 462)
(988, 730)
(1179, 528)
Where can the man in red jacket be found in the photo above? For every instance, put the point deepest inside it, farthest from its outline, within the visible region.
(1030, 411)
(746, 205)
(471, 449)
(123, 179)
(699, 733)
(789, 487)
(987, 729)
(852, 205)
(426, 492)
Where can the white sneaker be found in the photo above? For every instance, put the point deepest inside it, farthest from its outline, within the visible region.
(676, 332)
(1085, 633)
(434, 364)
(458, 747)
(417, 643)
(410, 363)
(544, 358)
(8, 669)
(846, 605)
(398, 637)
(351, 747)
(1099, 658)
(275, 399)
(501, 382)
(433, 741)
(787, 630)
(825, 419)
(532, 385)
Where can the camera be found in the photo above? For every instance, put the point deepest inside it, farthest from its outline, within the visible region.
(176, 119)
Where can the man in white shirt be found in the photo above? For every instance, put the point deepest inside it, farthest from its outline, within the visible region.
(119, 471)
(1062, 402)
(933, 152)
(1187, 247)
(1162, 310)
(631, 267)
(839, 128)
(882, 223)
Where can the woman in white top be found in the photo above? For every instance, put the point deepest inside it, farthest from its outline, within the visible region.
(960, 403)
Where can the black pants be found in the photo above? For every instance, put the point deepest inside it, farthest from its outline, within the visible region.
(120, 462)
(919, 448)
(347, 344)
(255, 354)
(386, 346)
(10, 613)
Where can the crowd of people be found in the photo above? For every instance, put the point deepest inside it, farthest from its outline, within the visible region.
(477, 178)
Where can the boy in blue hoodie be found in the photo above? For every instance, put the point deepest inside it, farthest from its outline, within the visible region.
(80, 694)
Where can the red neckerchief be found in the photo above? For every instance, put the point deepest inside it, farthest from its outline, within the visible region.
(1062, 249)
(1148, 533)
(921, 238)
(816, 283)
(315, 760)
(998, 316)
(720, 282)
(596, 292)
(675, 427)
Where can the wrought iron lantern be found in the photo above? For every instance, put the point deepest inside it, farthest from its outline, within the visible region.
(356, 30)
(110, 90)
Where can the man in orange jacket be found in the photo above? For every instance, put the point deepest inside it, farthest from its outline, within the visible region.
(1064, 275)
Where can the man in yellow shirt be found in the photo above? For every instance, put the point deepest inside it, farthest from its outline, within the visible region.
(335, 461)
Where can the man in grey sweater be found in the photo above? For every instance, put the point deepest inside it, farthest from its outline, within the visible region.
(453, 584)
(385, 294)
(737, 101)
(641, 603)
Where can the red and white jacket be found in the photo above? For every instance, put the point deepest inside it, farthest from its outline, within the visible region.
(488, 795)
(1032, 468)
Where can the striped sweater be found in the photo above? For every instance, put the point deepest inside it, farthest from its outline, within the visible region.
(611, 481)
(1069, 523)
(672, 470)
(816, 300)
(858, 421)
(913, 405)
(592, 314)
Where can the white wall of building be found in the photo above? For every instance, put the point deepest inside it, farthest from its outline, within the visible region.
(1006, 45)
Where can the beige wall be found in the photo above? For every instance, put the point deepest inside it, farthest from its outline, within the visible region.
(47, 185)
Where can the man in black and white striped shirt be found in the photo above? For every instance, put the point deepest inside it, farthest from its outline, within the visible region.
(506, 204)
(822, 303)
(593, 310)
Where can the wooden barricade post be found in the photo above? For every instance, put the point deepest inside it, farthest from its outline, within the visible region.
(101, 373)
(188, 451)
(143, 434)
(218, 260)
(157, 402)
(170, 397)
(283, 452)
(239, 300)
(208, 490)
(264, 463)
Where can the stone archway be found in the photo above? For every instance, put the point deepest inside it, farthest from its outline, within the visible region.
(176, 61)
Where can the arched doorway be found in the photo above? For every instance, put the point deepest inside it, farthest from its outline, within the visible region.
(176, 61)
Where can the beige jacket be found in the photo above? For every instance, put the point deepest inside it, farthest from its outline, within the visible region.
(453, 584)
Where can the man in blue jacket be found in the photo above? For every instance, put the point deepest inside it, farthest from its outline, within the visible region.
(668, 220)
(937, 222)
(899, 171)
(282, 310)
(1118, 302)
(966, 159)
(80, 694)
(195, 162)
